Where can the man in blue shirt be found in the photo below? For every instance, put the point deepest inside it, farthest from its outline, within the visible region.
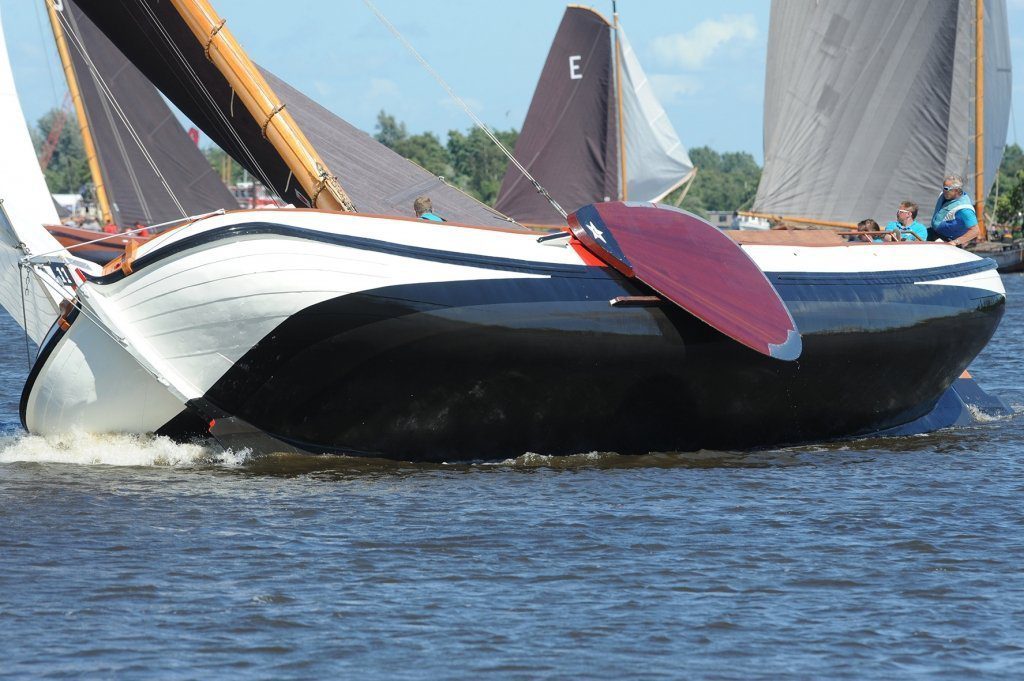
(906, 223)
(425, 209)
(955, 220)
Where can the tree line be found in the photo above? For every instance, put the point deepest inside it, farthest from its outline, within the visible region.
(469, 160)
(1005, 201)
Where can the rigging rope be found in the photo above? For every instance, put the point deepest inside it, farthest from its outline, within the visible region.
(53, 284)
(109, 96)
(189, 219)
(121, 147)
(465, 107)
(218, 113)
(24, 317)
(49, 57)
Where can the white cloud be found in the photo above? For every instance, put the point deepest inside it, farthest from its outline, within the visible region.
(449, 104)
(381, 88)
(671, 87)
(323, 88)
(691, 49)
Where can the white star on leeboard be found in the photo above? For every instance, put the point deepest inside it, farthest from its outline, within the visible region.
(598, 234)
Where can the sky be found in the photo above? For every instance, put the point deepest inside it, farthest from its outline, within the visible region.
(705, 59)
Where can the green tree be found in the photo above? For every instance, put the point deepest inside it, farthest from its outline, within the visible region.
(1010, 209)
(389, 131)
(724, 182)
(221, 162)
(478, 163)
(470, 160)
(68, 170)
(1009, 203)
(426, 151)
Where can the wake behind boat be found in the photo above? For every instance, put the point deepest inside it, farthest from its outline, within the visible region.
(641, 328)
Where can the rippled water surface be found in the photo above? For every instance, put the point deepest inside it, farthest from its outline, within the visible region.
(886, 558)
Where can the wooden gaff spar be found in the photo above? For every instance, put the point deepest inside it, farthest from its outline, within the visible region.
(259, 99)
(80, 113)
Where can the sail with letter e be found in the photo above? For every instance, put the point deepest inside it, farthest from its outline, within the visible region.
(572, 141)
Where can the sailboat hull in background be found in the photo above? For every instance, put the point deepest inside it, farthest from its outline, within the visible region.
(401, 339)
(100, 252)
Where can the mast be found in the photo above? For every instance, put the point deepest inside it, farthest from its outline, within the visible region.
(259, 99)
(623, 177)
(83, 119)
(979, 115)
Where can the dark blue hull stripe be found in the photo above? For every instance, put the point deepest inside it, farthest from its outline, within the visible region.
(511, 264)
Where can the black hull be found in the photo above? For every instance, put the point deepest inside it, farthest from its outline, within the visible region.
(492, 369)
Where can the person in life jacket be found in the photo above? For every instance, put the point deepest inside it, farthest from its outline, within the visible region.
(954, 220)
(425, 209)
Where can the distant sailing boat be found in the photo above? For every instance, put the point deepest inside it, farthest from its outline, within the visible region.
(594, 130)
(871, 103)
(129, 189)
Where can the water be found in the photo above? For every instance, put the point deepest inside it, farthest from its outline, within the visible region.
(888, 558)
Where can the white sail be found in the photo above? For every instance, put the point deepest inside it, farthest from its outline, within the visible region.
(656, 160)
(870, 103)
(24, 292)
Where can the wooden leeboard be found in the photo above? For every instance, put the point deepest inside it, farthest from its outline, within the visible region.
(694, 265)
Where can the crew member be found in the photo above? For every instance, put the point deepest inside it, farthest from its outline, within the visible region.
(425, 209)
(906, 223)
(954, 219)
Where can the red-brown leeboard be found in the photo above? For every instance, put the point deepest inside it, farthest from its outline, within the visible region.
(694, 265)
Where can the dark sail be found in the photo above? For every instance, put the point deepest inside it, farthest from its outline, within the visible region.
(134, 189)
(572, 108)
(153, 36)
(379, 180)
